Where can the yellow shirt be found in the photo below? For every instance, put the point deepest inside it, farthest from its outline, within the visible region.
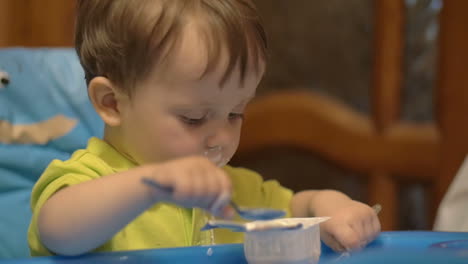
(163, 225)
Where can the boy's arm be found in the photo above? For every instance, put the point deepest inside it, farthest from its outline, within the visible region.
(80, 218)
(352, 224)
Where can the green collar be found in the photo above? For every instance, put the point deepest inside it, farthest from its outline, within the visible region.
(110, 155)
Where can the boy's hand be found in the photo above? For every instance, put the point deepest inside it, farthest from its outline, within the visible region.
(351, 227)
(196, 182)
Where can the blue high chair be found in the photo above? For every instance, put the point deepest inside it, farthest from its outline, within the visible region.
(45, 114)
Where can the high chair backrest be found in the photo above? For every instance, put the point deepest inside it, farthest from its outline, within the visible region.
(45, 114)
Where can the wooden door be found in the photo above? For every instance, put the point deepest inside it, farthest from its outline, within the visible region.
(384, 147)
(36, 22)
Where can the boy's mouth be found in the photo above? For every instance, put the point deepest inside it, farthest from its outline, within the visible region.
(218, 160)
(216, 156)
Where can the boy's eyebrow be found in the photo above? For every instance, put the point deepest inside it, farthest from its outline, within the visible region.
(249, 98)
(209, 104)
(246, 99)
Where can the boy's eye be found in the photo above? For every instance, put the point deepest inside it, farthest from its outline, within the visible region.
(193, 121)
(235, 116)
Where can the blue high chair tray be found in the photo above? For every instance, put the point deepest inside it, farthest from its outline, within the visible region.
(408, 247)
(453, 245)
(232, 253)
(389, 247)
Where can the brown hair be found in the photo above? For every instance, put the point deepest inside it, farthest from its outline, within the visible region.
(123, 39)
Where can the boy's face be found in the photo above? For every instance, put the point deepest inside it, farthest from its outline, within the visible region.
(175, 113)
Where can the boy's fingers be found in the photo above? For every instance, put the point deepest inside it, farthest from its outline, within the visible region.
(210, 192)
(182, 190)
(367, 232)
(348, 237)
(220, 203)
(361, 230)
(223, 190)
(332, 242)
(227, 213)
(372, 230)
(375, 227)
(224, 181)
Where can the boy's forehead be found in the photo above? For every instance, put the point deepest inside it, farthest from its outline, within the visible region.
(189, 58)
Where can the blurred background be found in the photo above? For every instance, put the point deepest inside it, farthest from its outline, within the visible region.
(386, 80)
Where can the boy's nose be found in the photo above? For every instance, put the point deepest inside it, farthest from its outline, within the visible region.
(220, 135)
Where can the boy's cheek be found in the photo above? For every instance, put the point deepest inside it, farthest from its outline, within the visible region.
(177, 140)
(178, 147)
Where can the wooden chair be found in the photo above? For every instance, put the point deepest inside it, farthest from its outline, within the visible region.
(381, 146)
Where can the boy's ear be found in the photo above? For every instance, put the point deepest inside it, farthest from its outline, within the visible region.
(106, 100)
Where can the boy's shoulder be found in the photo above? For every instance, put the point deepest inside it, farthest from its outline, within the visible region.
(93, 157)
(96, 160)
(80, 162)
(250, 189)
(247, 180)
(83, 165)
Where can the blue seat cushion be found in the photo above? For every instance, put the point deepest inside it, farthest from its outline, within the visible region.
(45, 85)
